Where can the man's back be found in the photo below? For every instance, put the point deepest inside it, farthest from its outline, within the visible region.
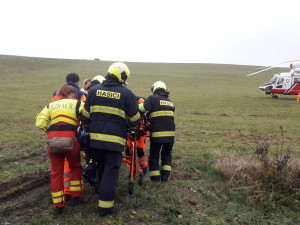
(108, 105)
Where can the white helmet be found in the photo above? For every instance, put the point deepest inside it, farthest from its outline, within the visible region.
(158, 84)
(99, 78)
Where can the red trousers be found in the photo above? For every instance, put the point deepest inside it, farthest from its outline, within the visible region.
(57, 170)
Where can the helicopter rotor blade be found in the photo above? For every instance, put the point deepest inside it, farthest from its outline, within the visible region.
(255, 70)
(270, 67)
(267, 68)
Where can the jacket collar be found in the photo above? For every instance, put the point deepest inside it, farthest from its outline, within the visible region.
(111, 81)
(161, 91)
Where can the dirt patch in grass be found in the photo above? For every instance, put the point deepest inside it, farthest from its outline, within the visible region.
(34, 157)
(25, 186)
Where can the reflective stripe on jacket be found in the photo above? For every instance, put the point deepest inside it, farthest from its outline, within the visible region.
(62, 114)
(105, 111)
(161, 117)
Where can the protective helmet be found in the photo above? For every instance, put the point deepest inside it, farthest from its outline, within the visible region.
(99, 78)
(158, 84)
(120, 70)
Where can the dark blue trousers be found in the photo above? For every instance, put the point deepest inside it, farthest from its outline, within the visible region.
(157, 172)
(109, 163)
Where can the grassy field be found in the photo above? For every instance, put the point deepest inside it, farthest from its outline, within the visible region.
(219, 174)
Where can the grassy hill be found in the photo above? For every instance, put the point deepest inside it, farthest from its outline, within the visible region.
(235, 159)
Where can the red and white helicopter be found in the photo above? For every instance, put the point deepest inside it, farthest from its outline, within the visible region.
(286, 83)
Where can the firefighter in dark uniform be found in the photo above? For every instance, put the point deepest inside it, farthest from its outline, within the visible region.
(162, 131)
(105, 112)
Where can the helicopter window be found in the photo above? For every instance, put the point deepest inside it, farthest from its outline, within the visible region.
(280, 81)
(273, 80)
(297, 80)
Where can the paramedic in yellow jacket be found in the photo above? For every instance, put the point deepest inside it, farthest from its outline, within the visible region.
(63, 115)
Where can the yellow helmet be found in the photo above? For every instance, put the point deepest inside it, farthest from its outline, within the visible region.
(120, 70)
(158, 84)
(99, 78)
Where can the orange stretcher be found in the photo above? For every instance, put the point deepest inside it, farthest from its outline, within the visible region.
(132, 160)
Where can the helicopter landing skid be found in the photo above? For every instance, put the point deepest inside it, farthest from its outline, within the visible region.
(274, 96)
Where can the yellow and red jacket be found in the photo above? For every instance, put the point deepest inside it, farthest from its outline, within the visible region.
(63, 115)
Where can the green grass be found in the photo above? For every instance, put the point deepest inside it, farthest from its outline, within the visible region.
(219, 111)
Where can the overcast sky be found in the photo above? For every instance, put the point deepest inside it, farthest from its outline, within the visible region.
(249, 32)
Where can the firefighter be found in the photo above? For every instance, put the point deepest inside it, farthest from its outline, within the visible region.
(105, 112)
(162, 131)
(72, 79)
(142, 135)
(63, 115)
(98, 79)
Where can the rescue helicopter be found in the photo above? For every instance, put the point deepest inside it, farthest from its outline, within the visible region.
(285, 83)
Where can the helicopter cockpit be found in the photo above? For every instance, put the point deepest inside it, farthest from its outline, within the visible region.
(280, 81)
(274, 79)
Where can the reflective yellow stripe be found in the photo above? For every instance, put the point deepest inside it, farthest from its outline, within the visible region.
(161, 113)
(75, 182)
(163, 134)
(63, 119)
(135, 117)
(166, 167)
(105, 204)
(154, 173)
(58, 200)
(76, 188)
(109, 110)
(86, 113)
(109, 138)
(67, 115)
(57, 194)
(141, 107)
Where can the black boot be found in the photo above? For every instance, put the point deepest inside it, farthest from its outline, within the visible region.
(57, 211)
(164, 177)
(104, 212)
(75, 201)
(145, 170)
(155, 178)
(90, 174)
(68, 196)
